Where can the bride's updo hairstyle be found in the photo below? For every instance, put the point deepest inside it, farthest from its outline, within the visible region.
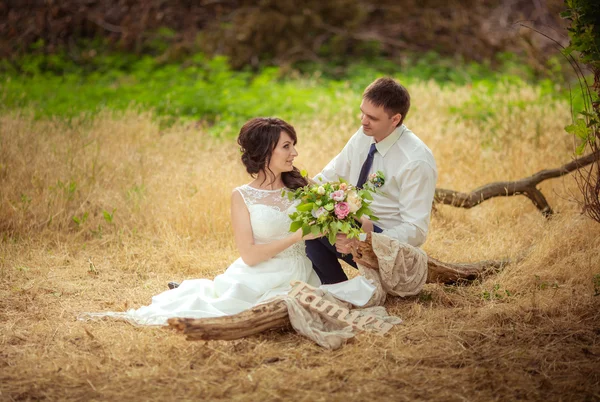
(257, 139)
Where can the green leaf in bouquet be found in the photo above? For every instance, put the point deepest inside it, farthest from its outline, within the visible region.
(331, 238)
(306, 207)
(354, 233)
(333, 227)
(319, 202)
(346, 227)
(315, 229)
(339, 225)
(305, 230)
(365, 195)
(329, 206)
(367, 211)
(295, 226)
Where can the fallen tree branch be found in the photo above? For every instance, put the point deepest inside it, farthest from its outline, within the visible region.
(443, 272)
(526, 187)
(249, 322)
(437, 271)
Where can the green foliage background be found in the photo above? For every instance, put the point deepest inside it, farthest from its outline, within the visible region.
(208, 92)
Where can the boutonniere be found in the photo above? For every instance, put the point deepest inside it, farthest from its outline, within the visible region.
(377, 179)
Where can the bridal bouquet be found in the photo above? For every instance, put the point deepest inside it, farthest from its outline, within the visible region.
(334, 207)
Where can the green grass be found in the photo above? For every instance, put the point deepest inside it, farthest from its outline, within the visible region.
(208, 91)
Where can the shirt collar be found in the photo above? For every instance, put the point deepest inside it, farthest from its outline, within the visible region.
(384, 145)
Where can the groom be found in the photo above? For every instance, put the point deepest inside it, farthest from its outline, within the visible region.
(383, 143)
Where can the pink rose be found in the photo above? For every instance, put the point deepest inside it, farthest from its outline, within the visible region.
(338, 195)
(342, 209)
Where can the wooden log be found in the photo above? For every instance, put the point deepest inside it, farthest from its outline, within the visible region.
(443, 272)
(438, 271)
(249, 322)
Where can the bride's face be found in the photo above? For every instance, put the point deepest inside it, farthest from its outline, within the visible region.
(282, 159)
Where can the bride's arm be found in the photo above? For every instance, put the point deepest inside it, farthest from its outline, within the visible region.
(251, 253)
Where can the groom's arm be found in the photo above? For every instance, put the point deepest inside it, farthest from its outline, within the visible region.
(417, 188)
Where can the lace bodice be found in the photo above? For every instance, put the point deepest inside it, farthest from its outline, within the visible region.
(271, 198)
(269, 216)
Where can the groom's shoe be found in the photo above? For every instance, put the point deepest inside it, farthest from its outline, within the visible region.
(173, 285)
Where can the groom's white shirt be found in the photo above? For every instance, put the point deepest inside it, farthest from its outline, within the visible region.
(404, 202)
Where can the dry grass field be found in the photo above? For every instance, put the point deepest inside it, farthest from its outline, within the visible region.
(100, 214)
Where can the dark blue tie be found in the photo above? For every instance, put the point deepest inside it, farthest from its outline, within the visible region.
(366, 167)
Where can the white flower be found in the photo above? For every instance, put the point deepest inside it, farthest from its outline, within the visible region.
(353, 201)
(321, 190)
(317, 213)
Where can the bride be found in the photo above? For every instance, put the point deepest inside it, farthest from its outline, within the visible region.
(270, 256)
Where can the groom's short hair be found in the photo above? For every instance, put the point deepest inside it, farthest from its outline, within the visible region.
(390, 94)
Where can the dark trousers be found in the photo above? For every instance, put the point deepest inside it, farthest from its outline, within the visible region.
(325, 262)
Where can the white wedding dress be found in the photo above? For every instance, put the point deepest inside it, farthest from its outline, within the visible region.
(241, 286)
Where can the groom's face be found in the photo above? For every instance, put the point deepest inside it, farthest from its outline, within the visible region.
(376, 122)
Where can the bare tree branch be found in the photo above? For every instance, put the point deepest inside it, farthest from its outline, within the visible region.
(526, 187)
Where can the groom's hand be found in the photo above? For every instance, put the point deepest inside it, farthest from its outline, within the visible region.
(343, 244)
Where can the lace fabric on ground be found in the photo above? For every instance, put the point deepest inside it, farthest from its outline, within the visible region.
(326, 331)
(402, 267)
